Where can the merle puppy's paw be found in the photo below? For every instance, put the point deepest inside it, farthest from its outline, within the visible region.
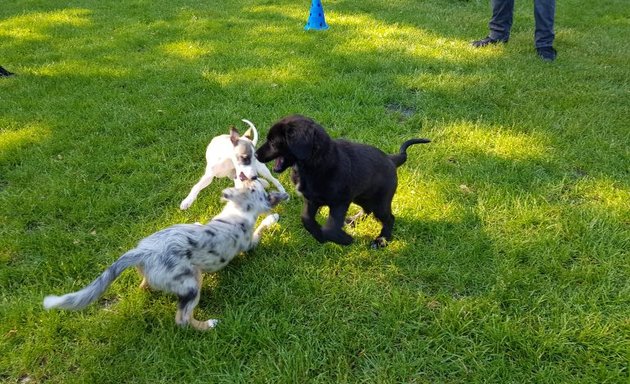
(270, 220)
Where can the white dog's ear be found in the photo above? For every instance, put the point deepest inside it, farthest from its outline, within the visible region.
(249, 134)
(234, 135)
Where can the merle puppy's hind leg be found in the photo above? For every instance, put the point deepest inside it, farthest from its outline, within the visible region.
(188, 294)
(333, 229)
(145, 283)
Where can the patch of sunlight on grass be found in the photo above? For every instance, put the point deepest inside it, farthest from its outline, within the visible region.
(499, 142)
(10, 139)
(188, 49)
(428, 199)
(33, 26)
(377, 36)
(607, 193)
(80, 68)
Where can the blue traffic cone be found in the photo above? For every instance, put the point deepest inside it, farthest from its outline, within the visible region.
(316, 18)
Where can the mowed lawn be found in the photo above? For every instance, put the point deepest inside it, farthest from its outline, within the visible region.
(510, 259)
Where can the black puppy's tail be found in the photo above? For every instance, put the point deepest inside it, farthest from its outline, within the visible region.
(400, 158)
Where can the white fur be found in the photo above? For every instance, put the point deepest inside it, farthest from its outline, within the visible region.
(221, 161)
(52, 301)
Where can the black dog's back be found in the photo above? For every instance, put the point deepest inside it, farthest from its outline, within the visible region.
(363, 168)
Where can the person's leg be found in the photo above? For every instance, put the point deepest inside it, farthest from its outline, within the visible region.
(501, 21)
(544, 13)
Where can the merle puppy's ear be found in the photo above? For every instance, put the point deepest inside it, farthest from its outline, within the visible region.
(234, 135)
(277, 197)
(299, 141)
(229, 193)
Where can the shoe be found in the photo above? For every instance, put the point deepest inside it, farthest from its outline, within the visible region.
(4, 72)
(487, 41)
(547, 53)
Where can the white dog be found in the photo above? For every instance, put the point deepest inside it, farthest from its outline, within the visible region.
(229, 156)
(174, 258)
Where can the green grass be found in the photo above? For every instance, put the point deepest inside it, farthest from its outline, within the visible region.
(510, 259)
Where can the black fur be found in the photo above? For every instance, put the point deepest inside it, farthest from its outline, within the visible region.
(187, 298)
(192, 242)
(335, 173)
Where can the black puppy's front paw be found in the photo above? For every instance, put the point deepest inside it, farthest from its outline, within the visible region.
(379, 242)
(338, 237)
(346, 240)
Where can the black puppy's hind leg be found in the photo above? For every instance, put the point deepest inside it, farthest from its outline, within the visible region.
(385, 216)
(333, 229)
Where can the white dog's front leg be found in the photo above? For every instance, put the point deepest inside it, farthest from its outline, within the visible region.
(205, 180)
(266, 223)
(265, 173)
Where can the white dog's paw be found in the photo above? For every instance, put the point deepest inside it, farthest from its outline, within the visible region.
(186, 203)
(270, 220)
(212, 323)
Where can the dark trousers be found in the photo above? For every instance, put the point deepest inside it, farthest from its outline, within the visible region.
(544, 13)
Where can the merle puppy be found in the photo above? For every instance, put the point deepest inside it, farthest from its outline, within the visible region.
(335, 173)
(174, 258)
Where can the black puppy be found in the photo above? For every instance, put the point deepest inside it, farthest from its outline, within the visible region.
(335, 173)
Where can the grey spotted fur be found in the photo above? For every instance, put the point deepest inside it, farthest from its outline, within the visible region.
(174, 258)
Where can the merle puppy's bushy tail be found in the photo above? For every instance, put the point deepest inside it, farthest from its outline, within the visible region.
(400, 158)
(80, 299)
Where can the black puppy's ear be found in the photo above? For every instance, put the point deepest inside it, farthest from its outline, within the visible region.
(234, 135)
(299, 142)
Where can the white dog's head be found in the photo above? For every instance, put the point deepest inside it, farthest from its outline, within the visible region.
(243, 156)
